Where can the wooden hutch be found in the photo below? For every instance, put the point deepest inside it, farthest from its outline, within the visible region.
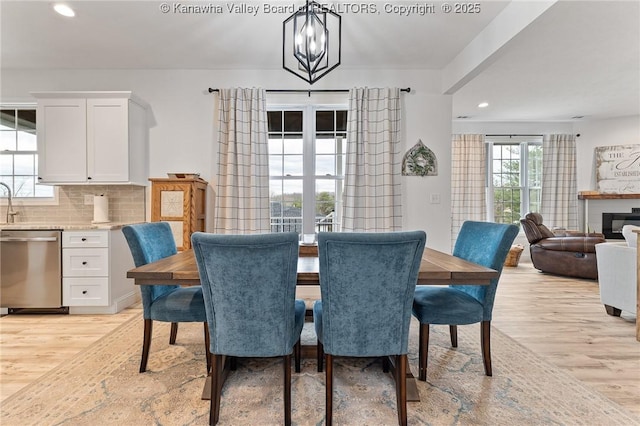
(180, 201)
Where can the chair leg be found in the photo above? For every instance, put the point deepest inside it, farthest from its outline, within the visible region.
(423, 349)
(216, 388)
(614, 312)
(146, 344)
(485, 335)
(401, 388)
(287, 390)
(174, 333)
(329, 390)
(453, 331)
(297, 354)
(207, 344)
(320, 356)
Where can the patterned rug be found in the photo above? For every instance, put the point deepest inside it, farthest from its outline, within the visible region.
(102, 386)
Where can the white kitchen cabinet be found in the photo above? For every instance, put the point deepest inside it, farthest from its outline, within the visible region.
(92, 138)
(94, 269)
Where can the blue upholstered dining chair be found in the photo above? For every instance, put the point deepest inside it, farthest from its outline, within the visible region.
(486, 244)
(249, 285)
(148, 243)
(367, 282)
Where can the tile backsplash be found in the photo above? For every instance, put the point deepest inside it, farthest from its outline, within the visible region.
(126, 205)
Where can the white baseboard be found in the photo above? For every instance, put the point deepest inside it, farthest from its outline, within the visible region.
(117, 306)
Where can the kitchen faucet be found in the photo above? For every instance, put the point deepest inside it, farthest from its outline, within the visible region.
(10, 213)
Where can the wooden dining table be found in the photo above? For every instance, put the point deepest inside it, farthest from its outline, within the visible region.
(436, 268)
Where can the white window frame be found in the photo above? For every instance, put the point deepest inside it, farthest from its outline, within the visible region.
(27, 201)
(524, 142)
(309, 176)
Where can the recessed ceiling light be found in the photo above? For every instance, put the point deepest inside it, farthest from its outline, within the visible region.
(64, 10)
(483, 104)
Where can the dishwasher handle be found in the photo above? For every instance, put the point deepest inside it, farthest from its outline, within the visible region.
(28, 239)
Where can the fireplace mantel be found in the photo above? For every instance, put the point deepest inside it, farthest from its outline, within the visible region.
(595, 195)
(592, 195)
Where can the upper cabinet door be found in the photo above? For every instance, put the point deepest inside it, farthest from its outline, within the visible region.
(107, 140)
(62, 136)
(92, 138)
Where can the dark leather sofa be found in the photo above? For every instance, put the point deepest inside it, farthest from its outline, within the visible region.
(566, 253)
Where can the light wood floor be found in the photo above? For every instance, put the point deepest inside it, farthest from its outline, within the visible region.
(560, 319)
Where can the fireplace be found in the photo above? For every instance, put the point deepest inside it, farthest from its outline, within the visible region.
(612, 223)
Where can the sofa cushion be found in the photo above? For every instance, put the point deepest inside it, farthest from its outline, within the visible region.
(630, 236)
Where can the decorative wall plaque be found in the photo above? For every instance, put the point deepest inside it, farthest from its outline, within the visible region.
(419, 161)
(618, 169)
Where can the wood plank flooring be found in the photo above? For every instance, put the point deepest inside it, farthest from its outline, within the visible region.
(558, 318)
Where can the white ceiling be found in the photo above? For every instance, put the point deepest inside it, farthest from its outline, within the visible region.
(578, 58)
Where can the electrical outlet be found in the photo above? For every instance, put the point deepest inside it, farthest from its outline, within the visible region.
(88, 200)
(435, 198)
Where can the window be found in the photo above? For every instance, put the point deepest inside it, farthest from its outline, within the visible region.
(515, 177)
(307, 147)
(18, 154)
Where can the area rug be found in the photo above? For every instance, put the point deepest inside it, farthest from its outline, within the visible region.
(102, 386)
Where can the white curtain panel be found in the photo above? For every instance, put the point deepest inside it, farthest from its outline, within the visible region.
(559, 204)
(242, 192)
(468, 180)
(372, 187)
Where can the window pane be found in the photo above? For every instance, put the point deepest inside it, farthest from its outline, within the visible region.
(274, 118)
(325, 214)
(293, 121)
(326, 146)
(275, 165)
(293, 144)
(27, 141)
(286, 205)
(293, 165)
(23, 186)
(7, 141)
(27, 119)
(7, 119)
(325, 165)
(6, 165)
(275, 144)
(324, 121)
(24, 165)
(43, 191)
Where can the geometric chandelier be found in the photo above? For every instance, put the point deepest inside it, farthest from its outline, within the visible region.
(311, 42)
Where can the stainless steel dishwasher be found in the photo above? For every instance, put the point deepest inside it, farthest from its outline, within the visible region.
(31, 270)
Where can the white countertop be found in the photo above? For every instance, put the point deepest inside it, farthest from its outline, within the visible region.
(62, 226)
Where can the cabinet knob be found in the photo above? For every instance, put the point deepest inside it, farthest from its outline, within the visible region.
(83, 239)
(84, 263)
(88, 177)
(84, 291)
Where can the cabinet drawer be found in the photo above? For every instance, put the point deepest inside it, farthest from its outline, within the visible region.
(72, 239)
(85, 291)
(85, 263)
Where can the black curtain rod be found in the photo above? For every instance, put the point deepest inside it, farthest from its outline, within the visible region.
(309, 91)
(489, 136)
(512, 135)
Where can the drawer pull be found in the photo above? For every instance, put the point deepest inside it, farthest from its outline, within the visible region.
(83, 239)
(84, 291)
(84, 263)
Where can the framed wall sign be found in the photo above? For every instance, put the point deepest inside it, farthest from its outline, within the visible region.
(618, 169)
